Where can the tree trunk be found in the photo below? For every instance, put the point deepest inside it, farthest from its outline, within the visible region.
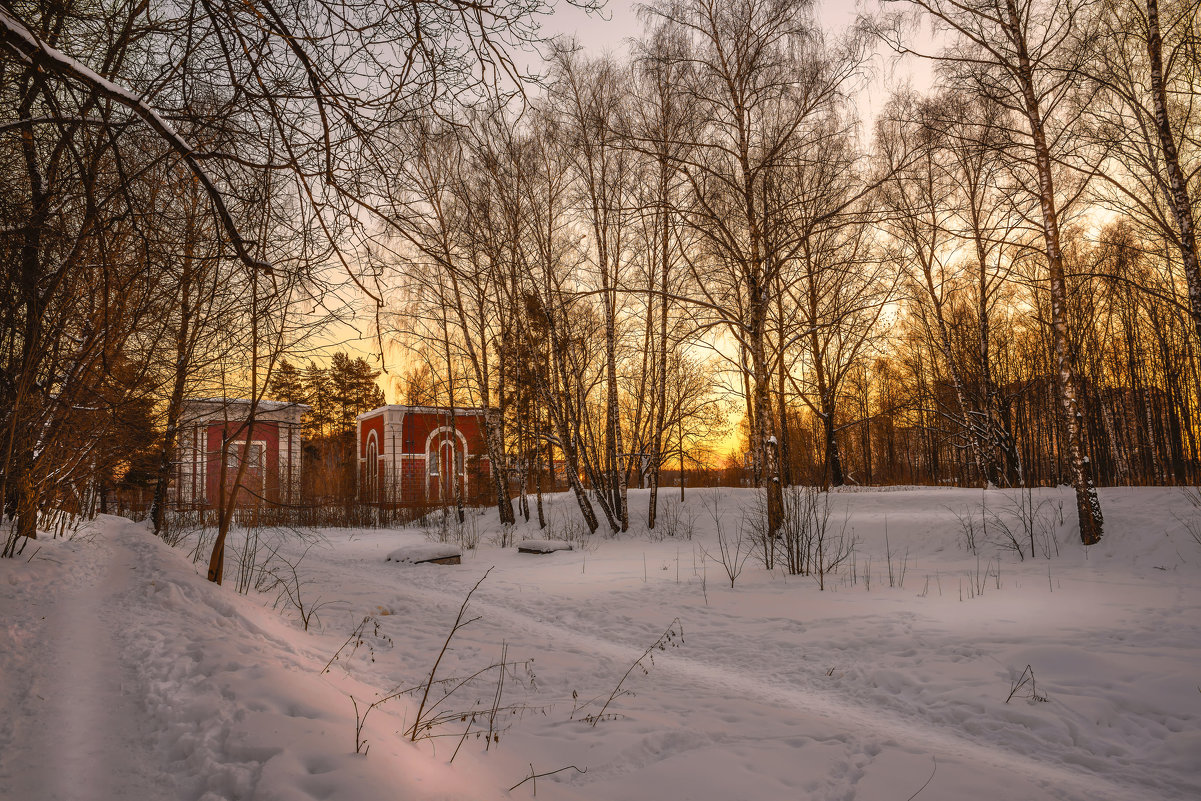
(1088, 508)
(764, 440)
(616, 455)
(660, 421)
(1182, 208)
(158, 507)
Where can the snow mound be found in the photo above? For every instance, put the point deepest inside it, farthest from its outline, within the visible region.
(543, 546)
(424, 552)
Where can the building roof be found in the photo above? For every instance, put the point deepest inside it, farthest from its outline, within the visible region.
(466, 411)
(233, 410)
(268, 405)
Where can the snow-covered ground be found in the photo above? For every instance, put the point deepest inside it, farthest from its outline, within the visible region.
(126, 675)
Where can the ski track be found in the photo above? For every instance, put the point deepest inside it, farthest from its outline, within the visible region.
(851, 723)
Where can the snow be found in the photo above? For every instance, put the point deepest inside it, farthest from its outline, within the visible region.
(544, 546)
(262, 405)
(127, 675)
(424, 552)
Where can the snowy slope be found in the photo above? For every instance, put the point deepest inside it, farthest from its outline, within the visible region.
(129, 676)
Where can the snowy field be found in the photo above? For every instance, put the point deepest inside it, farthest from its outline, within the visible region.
(127, 676)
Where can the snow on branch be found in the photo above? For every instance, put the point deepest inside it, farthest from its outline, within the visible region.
(19, 39)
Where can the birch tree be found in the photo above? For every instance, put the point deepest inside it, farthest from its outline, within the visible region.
(1028, 57)
(1145, 67)
(662, 126)
(760, 77)
(590, 98)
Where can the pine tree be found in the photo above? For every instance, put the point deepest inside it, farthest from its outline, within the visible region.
(352, 390)
(289, 384)
(319, 393)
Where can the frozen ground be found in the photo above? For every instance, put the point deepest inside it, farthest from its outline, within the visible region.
(126, 675)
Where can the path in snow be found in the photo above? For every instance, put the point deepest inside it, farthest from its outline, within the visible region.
(74, 734)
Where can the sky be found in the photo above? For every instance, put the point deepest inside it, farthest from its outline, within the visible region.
(599, 35)
(619, 22)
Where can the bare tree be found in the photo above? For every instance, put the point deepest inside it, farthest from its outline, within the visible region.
(440, 201)
(837, 284)
(662, 126)
(761, 78)
(920, 199)
(1028, 56)
(591, 100)
(1146, 120)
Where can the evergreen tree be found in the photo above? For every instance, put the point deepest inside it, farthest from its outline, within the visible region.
(289, 384)
(352, 390)
(317, 389)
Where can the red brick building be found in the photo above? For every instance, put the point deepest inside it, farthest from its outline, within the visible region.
(413, 454)
(214, 426)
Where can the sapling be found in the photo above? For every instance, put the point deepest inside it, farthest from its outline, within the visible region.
(732, 556)
(1027, 677)
(677, 521)
(505, 537)
(830, 551)
(285, 579)
(533, 777)
(672, 636)
(246, 561)
(967, 529)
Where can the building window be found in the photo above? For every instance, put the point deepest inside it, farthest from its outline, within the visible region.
(254, 455)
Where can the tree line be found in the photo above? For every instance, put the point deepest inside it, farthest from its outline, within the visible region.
(994, 282)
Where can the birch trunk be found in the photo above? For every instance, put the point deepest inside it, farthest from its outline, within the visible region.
(1182, 208)
(1088, 508)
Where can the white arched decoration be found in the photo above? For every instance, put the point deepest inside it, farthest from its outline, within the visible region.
(371, 468)
(433, 459)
